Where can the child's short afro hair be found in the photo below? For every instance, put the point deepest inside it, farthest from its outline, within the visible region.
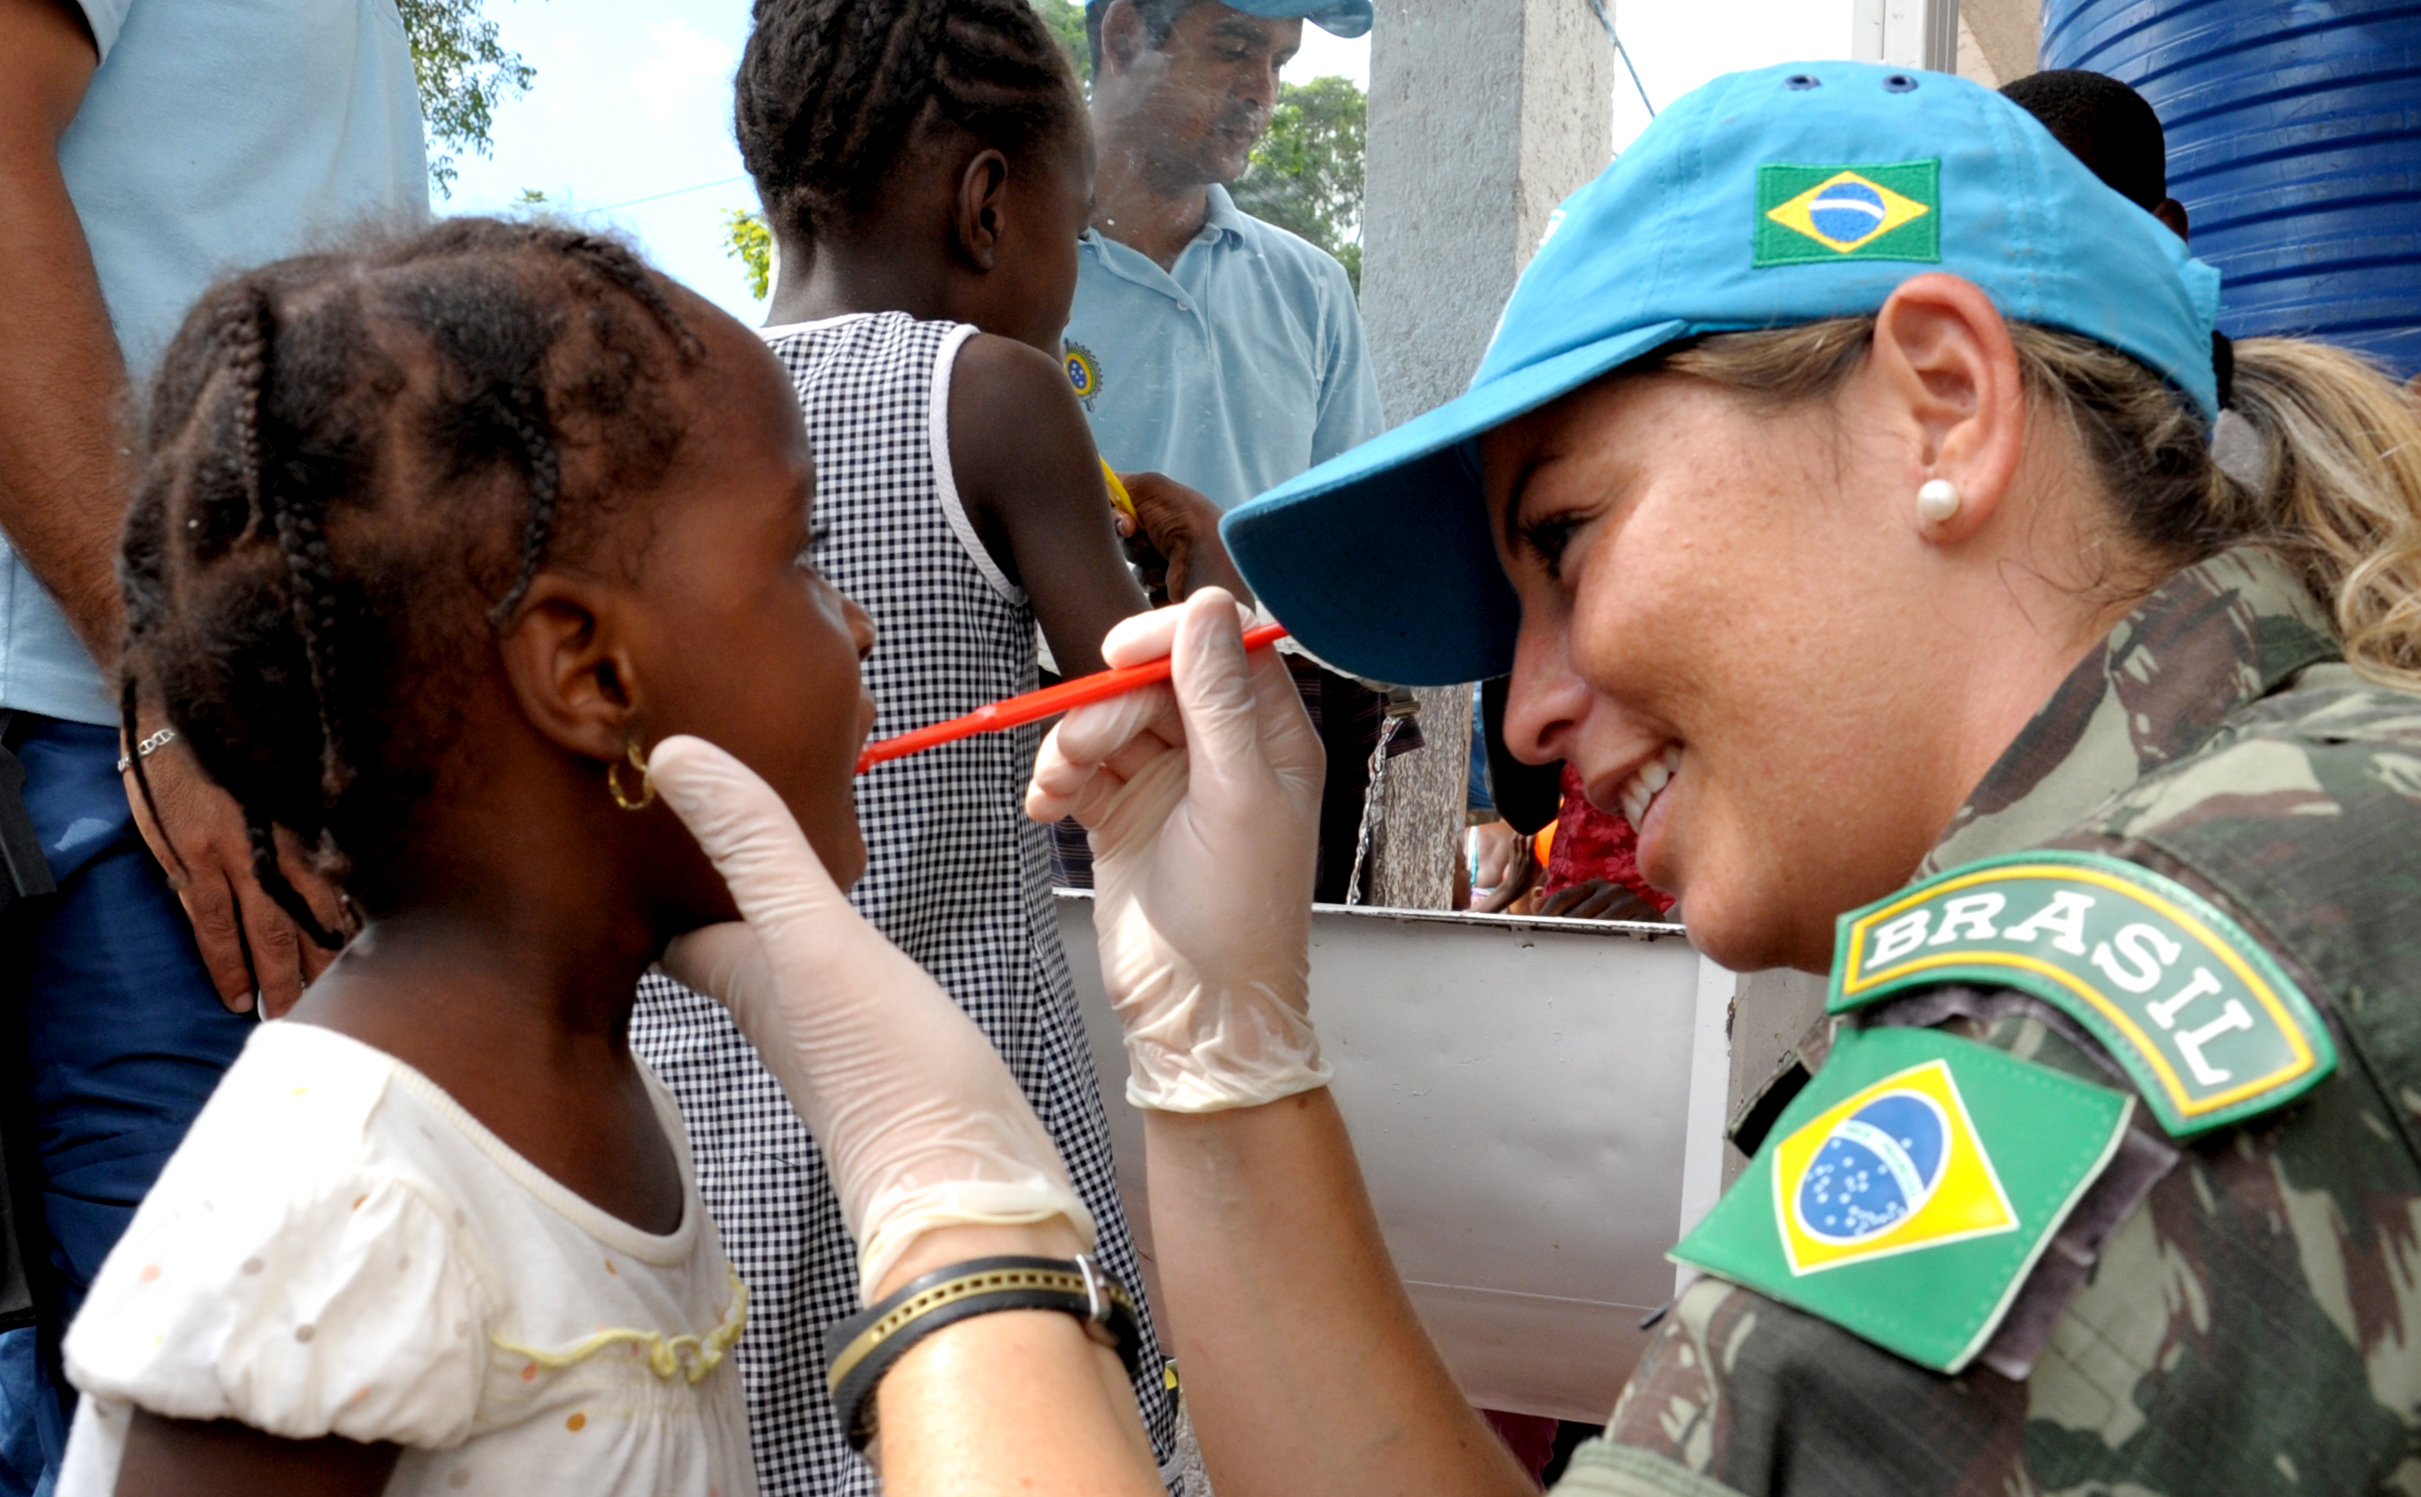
(2104, 124)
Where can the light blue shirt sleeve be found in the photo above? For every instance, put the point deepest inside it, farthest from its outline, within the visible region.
(1349, 388)
(216, 134)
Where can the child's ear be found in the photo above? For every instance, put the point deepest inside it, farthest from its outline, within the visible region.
(982, 208)
(570, 669)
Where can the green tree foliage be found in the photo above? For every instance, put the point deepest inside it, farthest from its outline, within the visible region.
(1066, 20)
(1306, 174)
(464, 71)
(747, 240)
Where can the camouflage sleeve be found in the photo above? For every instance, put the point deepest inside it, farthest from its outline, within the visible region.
(1740, 1394)
(2254, 1325)
(2248, 1322)
(2310, 831)
(1601, 1468)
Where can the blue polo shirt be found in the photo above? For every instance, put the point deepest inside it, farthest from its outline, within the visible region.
(213, 136)
(1238, 369)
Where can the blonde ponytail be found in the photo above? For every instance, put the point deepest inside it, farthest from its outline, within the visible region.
(2337, 493)
(2343, 498)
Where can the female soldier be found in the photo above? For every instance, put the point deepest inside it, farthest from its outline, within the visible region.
(1854, 494)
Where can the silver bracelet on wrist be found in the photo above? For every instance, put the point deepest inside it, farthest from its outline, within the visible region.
(147, 748)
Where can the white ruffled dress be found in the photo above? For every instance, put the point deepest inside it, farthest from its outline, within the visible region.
(338, 1248)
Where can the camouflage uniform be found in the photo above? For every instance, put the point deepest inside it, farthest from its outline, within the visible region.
(2240, 1324)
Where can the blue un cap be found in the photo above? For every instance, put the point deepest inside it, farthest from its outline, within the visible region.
(1764, 199)
(1346, 18)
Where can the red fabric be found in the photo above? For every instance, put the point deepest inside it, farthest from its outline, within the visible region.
(1591, 844)
(1531, 1438)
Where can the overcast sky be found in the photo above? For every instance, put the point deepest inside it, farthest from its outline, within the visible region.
(631, 116)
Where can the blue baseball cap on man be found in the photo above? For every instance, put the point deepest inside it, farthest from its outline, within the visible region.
(1764, 199)
(1346, 18)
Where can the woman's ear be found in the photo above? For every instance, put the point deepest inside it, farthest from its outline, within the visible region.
(570, 669)
(979, 215)
(1946, 363)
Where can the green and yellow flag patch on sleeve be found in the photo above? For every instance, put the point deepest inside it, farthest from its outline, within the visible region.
(2209, 1027)
(1909, 1190)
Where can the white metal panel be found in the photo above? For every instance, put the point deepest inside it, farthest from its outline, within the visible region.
(1523, 1096)
(1710, 1102)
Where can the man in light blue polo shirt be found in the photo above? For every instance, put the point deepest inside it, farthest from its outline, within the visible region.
(1208, 345)
(145, 147)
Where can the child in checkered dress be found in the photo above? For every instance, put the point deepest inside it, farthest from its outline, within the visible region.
(926, 169)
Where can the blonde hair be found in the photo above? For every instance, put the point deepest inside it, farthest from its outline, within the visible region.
(2339, 460)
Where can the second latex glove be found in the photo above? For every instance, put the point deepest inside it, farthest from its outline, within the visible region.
(1202, 799)
(921, 1124)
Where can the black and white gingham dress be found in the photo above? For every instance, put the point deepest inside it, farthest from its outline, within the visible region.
(956, 876)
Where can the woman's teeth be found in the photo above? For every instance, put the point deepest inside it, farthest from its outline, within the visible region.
(1641, 789)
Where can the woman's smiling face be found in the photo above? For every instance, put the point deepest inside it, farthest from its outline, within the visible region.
(1716, 632)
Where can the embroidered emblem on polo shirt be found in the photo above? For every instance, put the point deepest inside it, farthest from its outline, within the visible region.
(2208, 1026)
(1084, 372)
(1811, 214)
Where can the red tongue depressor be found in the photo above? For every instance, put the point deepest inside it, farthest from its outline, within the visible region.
(1048, 702)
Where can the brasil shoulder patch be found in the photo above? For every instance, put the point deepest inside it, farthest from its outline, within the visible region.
(1906, 1194)
(1878, 211)
(2206, 1023)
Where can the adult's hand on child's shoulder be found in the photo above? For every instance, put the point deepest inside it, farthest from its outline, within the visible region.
(252, 949)
(1176, 541)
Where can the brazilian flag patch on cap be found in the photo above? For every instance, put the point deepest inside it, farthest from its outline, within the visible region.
(1906, 1194)
(1810, 214)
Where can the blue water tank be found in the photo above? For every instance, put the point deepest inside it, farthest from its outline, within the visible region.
(2295, 144)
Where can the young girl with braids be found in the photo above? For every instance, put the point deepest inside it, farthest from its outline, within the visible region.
(926, 168)
(433, 541)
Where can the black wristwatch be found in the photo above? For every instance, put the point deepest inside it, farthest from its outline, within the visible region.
(859, 1350)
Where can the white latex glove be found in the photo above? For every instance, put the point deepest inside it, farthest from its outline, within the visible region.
(921, 1124)
(1203, 801)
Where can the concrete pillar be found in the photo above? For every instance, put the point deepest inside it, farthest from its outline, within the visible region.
(1484, 114)
(2007, 36)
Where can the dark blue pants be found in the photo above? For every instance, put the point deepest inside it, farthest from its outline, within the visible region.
(124, 1040)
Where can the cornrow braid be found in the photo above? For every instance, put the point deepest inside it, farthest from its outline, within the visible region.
(833, 94)
(248, 332)
(280, 889)
(341, 453)
(245, 333)
(611, 262)
(546, 478)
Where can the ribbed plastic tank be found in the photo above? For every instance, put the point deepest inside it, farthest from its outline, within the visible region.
(2294, 137)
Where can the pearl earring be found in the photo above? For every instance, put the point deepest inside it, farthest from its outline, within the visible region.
(1938, 500)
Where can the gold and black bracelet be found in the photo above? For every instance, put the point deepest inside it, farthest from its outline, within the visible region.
(859, 1350)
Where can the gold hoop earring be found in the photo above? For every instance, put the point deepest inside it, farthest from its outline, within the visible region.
(647, 785)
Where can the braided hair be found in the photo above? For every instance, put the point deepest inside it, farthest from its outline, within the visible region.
(832, 95)
(353, 466)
